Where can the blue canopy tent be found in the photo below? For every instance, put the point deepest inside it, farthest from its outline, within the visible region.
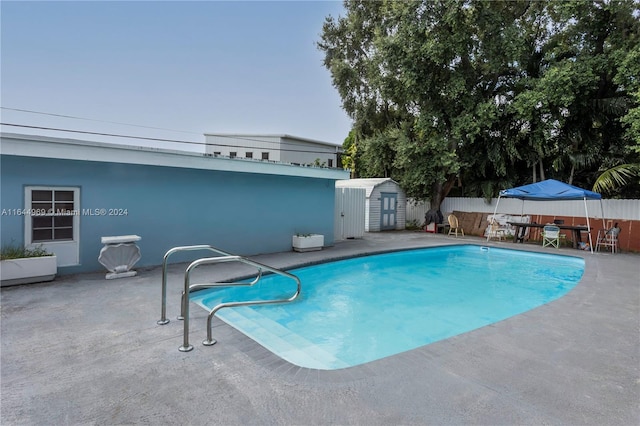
(550, 190)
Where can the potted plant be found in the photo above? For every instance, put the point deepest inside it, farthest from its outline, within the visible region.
(308, 242)
(21, 265)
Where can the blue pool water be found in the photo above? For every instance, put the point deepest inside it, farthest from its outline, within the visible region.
(362, 309)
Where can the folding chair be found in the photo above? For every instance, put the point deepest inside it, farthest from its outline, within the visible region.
(551, 236)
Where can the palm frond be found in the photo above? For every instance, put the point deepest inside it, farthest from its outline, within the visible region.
(615, 177)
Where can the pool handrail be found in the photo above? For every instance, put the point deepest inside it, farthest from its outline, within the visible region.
(186, 347)
(210, 340)
(194, 287)
(163, 316)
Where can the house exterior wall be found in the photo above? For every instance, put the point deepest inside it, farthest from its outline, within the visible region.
(303, 152)
(243, 213)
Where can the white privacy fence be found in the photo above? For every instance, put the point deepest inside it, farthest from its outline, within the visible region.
(613, 209)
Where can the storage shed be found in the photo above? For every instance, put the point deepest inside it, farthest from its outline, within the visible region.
(385, 203)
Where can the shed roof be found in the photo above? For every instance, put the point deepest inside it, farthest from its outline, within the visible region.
(368, 184)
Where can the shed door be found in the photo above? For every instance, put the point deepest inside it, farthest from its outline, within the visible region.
(389, 201)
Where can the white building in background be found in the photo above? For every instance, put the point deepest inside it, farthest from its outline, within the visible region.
(280, 148)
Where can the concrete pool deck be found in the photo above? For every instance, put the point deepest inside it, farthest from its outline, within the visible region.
(85, 350)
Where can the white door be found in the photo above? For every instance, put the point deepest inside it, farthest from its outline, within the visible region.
(350, 205)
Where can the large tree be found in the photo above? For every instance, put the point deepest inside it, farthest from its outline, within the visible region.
(494, 93)
(574, 93)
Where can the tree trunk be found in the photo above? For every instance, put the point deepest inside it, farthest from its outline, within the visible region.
(439, 192)
(573, 168)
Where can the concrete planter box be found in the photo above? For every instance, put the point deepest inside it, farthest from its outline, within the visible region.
(27, 270)
(308, 242)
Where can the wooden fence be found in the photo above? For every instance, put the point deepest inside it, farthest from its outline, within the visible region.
(600, 213)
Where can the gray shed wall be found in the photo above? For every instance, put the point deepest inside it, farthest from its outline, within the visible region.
(374, 207)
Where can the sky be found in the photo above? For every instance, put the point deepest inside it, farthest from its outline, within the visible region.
(175, 70)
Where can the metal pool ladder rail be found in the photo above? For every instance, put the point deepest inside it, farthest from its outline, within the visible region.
(188, 287)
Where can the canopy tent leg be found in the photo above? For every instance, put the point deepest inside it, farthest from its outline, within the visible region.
(586, 213)
(495, 211)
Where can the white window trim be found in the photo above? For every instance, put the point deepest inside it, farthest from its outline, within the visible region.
(67, 252)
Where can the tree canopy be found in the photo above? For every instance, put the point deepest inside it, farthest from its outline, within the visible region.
(486, 95)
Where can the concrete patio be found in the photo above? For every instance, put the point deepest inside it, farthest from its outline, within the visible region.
(82, 350)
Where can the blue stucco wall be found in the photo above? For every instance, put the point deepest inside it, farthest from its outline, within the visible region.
(241, 213)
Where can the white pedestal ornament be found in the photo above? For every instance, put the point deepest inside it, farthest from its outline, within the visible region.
(119, 255)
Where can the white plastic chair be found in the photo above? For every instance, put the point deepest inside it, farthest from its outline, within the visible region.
(495, 231)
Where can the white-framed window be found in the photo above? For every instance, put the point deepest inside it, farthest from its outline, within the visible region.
(233, 154)
(53, 221)
(265, 155)
(248, 154)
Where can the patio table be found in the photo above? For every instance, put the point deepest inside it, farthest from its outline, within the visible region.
(521, 229)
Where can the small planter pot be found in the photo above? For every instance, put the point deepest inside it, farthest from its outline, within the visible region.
(27, 270)
(308, 242)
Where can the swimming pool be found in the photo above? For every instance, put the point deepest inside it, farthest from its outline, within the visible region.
(358, 310)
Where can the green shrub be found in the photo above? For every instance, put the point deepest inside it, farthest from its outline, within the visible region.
(413, 225)
(18, 252)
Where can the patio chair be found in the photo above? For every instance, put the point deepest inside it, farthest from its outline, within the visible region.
(551, 236)
(609, 239)
(495, 231)
(454, 226)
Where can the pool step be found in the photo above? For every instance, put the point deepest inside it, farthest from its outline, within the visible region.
(279, 340)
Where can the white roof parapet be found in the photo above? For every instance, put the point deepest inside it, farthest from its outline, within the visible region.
(73, 149)
(281, 136)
